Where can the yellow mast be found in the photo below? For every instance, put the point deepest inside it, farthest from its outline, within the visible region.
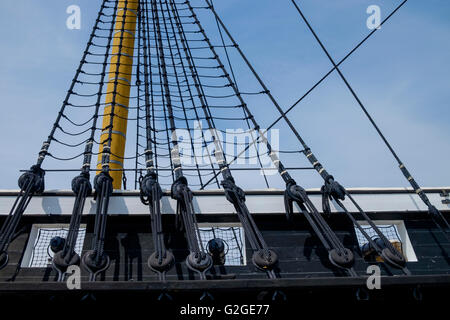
(121, 70)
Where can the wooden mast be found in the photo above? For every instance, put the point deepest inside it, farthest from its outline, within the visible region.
(117, 98)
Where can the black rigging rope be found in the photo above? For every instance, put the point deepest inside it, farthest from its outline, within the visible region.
(168, 66)
(295, 193)
(32, 182)
(283, 114)
(263, 257)
(198, 260)
(96, 260)
(436, 215)
(162, 259)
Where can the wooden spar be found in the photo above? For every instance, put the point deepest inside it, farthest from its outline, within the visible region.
(117, 99)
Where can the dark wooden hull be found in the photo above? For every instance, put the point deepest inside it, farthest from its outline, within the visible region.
(303, 267)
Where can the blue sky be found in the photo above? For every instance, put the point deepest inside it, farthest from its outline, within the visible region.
(401, 74)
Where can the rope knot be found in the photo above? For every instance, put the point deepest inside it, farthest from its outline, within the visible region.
(79, 181)
(102, 180)
(331, 190)
(334, 189)
(34, 176)
(233, 193)
(180, 188)
(148, 184)
(293, 193)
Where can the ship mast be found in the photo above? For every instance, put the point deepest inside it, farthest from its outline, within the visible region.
(114, 127)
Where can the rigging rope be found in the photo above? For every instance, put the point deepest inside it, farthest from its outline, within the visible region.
(162, 259)
(436, 215)
(198, 260)
(337, 192)
(173, 94)
(32, 182)
(263, 257)
(96, 260)
(283, 114)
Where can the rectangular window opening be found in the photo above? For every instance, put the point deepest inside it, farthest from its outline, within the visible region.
(395, 231)
(232, 234)
(38, 253)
